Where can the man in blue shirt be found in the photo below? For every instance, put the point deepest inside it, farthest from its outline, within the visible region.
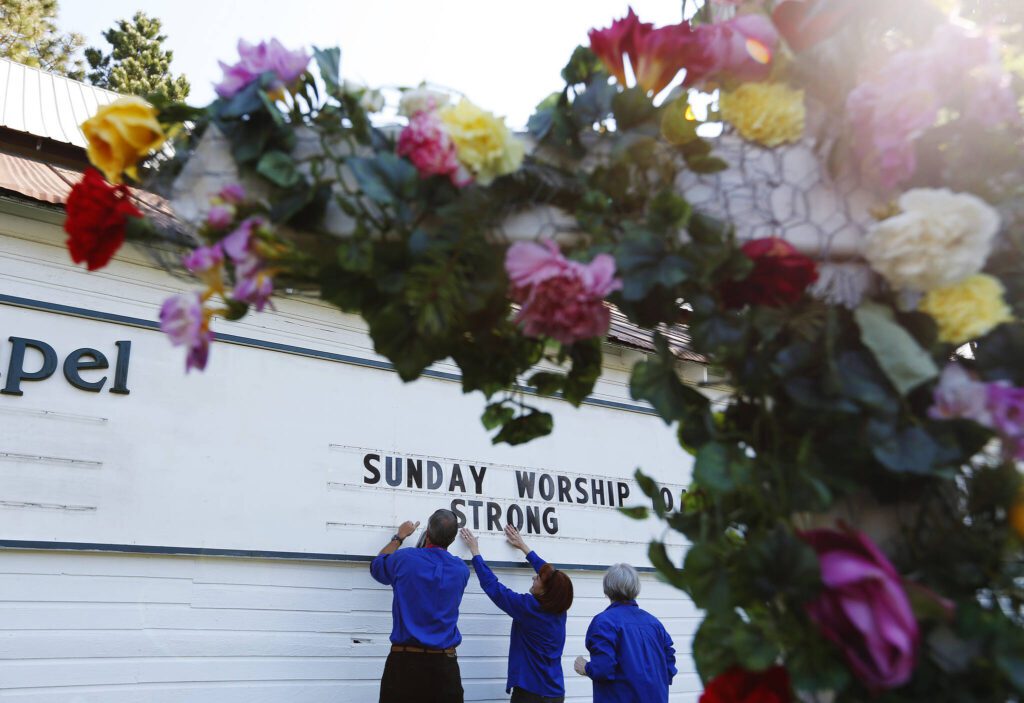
(428, 584)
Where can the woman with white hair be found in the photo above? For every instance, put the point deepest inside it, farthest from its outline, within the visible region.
(632, 659)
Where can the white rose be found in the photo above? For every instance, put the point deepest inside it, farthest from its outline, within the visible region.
(939, 238)
(421, 100)
(372, 101)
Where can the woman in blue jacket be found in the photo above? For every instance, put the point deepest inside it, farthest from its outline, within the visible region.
(632, 659)
(538, 623)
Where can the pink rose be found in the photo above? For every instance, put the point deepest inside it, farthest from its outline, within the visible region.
(863, 608)
(741, 48)
(559, 298)
(255, 60)
(427, 145)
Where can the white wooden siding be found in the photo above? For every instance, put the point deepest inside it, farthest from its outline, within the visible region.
(112, 628)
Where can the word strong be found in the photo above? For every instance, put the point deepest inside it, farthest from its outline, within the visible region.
(34, 360)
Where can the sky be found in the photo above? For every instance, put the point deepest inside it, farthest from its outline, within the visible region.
(504, 56)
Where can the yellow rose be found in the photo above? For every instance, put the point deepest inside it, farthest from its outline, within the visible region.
(968, 309)
(120, 134)
(1017, 516)
(766, 113)
(483, 143)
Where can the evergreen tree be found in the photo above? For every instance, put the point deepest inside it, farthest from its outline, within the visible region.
(29, 35)
(137, 63)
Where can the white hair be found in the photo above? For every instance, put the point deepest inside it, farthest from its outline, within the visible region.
(621, 582)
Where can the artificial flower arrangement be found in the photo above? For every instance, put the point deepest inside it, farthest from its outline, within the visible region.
(906, 399)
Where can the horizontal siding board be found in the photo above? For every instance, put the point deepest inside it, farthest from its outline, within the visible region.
(122, 628)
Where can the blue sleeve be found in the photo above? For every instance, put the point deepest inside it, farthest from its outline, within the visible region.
(670, 655)
(502, 596)
(601, 643)
(535, 561)
(381, 569)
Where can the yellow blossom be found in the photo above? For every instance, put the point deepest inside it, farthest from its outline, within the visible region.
(766, 113)
(120, 134)
(968, 309)
(1017, 516)
(483, 143)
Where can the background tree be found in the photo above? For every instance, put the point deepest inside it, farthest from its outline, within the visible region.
(29, 35)
(137, 63)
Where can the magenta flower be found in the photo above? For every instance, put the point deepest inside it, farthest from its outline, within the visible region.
(220, 216)
(1006, 403)
(255, 60)
(184, 321)
(232, 193)
(427, 145)
(203, 260)
(863, 608)
(609, 45)
(960, 395)
(741, 48)
(659, 54)
(253, 281)
(559, 298)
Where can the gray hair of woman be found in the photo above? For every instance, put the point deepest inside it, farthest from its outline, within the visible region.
(621, 582)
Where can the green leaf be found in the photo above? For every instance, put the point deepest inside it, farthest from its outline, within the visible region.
(712, 651)
(586, 360)
(632, 107)
(720, 471)
(706, 164)
(644, 262)
(385, 178)
(278, 168)
(668, 212)
(547, 383)
(496, 414)
(754, 650)
(595, 103)
(899, 355)
(637, 512)
(651, 489)
(707, 577)
(329, 63)
(524, 428)
(779, 563)
(675, 128)
(582, 65)
(659, 558)
(655, 380)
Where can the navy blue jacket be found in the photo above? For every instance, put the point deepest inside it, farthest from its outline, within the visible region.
(428, 584)
(631, 656)
(538, 637)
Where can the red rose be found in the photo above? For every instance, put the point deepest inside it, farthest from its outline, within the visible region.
(742, 686)
(780, 276)
(96, 215)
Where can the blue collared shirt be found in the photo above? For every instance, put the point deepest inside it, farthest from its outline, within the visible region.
(537, 639)
(631, 656)
(428, 584)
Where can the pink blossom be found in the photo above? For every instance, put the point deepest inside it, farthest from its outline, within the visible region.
(898, 103)
(427, 145)
(741, 48)
(184, 321)
(253, 282)
(1006, 403)
(232, 193)
(960, 395)
(559, 298)
(220, 216)
(609, 45)
(659, 54)
(863, 608)
(257, 59)
(203, 259)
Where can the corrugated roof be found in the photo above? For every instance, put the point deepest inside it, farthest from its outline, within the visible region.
(46, 105)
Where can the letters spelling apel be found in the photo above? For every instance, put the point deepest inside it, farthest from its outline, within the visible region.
(84, 359)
